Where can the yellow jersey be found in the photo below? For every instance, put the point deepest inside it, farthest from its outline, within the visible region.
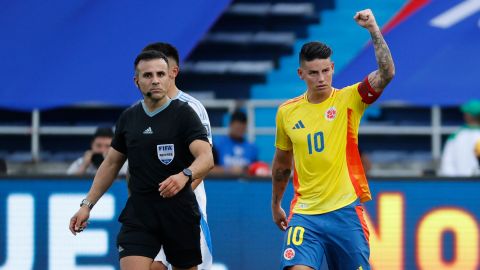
(328, 173)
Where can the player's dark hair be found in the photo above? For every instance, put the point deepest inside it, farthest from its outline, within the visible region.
(238, 116)
(103, 132)
(314, 50)
(149, 55)
(166, 48)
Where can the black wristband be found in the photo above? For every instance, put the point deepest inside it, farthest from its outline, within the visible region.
(187, 172)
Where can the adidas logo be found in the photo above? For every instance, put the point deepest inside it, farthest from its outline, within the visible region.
(299, 125)
(120, 249)
(148, 131)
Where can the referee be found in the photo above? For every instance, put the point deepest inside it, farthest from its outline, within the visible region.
(166, 146)
(160, 261)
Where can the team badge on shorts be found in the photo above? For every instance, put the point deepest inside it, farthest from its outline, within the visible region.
(289, 254)
(166, 153)
(331, 113)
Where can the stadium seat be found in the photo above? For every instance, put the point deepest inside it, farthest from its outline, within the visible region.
(245, 45)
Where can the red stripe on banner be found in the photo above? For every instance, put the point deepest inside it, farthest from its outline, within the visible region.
(410, 8)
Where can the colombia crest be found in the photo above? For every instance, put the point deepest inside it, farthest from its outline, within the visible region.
(331, 113)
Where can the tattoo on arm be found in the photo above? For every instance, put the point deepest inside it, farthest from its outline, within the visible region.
(280, 180)
(386, 68)
(281, 175)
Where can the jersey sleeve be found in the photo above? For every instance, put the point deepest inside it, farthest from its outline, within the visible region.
(202, 114)
(118, 141)
(192, 127)
(282, 141)
(355, 99)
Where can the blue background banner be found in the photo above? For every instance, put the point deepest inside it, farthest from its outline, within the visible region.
(434, 50)
(60, 53)
(414, 224)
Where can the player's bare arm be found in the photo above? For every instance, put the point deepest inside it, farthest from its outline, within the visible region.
(281, 170)
(106, 174)
(196, 182)
(380, 78)
(200, 167)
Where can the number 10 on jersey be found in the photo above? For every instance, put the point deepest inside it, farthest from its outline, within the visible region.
(315, 142)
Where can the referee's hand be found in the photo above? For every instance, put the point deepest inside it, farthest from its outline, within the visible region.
(172, 185)
(79, 221)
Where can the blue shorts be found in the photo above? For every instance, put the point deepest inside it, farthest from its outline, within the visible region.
(340, 236)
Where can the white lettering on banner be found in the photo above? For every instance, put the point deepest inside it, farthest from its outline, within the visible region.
(456, 14)
(63, 246)
(20, 238)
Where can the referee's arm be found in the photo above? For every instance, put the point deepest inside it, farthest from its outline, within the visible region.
(106, 174)
(203, 163)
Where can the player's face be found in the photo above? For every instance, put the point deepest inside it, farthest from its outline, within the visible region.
(317, 74)
(101, 145)
(153, 79)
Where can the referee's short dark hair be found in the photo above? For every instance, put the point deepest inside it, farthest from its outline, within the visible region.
(166, 48)
(149, 55)
(314, 50)
(238, 116)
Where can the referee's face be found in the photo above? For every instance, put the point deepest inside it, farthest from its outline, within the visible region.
(152, 79)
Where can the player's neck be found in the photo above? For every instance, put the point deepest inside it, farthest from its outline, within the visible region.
(316, 97)
(173, 91)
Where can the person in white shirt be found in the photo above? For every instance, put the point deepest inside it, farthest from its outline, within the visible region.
(92, 158)
(459, 157)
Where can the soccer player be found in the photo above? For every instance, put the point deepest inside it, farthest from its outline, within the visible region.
(160, 262)
(167, 147)
(318, 132)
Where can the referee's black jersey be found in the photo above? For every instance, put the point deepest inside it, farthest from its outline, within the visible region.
(157, 144)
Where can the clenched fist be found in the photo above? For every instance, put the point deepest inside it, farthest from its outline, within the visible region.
(365, 19)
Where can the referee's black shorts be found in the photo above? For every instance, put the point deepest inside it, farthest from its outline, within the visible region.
(150, 222)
